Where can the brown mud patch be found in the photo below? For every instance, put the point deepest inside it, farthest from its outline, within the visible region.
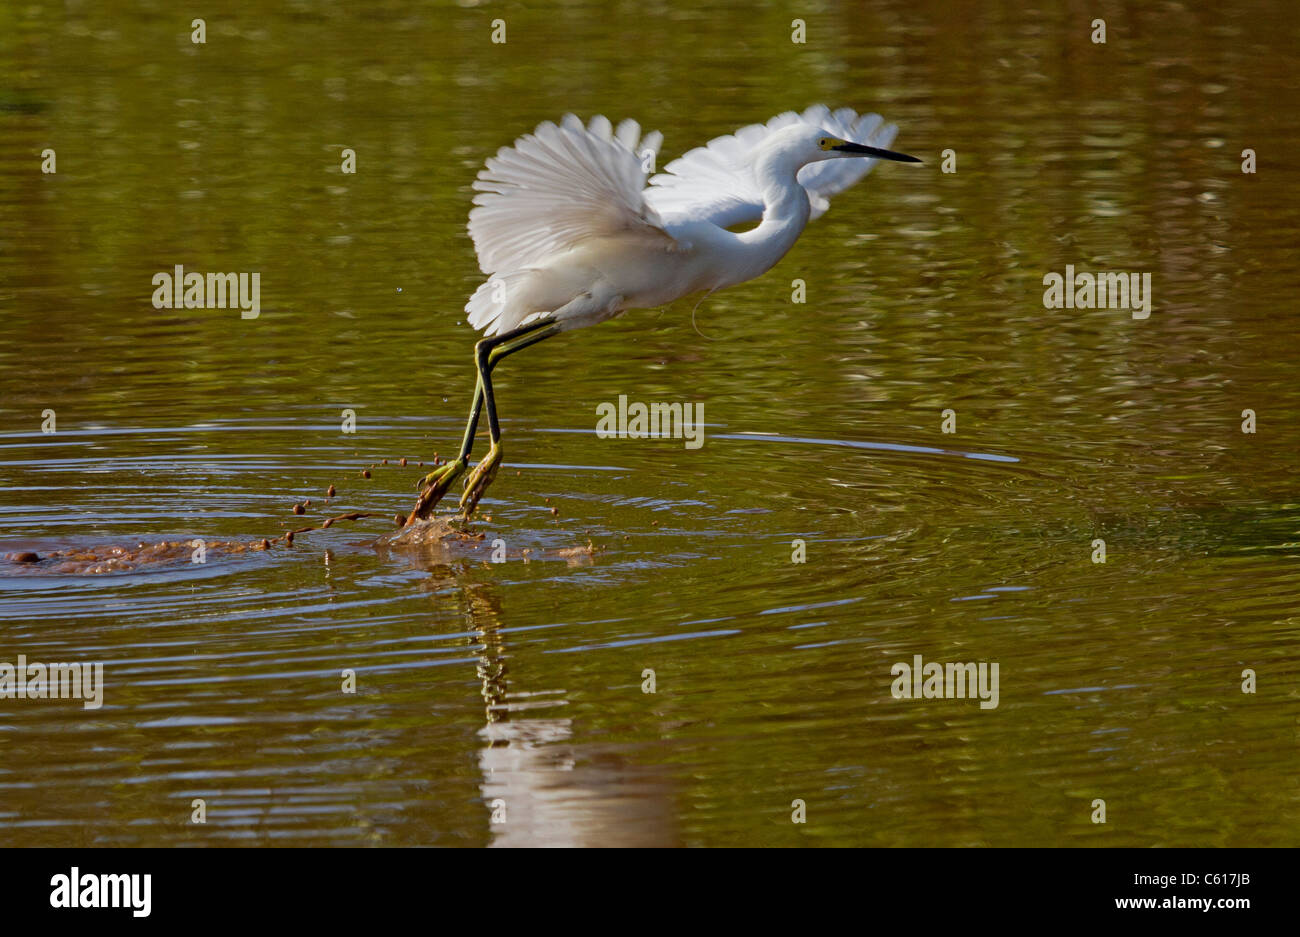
(432, 540)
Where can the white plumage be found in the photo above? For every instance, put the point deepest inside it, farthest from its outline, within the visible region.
(569, 233)
(716, 183)
(555, 187)
(566, 226)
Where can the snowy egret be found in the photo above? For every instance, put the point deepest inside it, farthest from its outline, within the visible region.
(570, 234)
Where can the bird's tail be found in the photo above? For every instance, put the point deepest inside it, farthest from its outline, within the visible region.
(497, 305)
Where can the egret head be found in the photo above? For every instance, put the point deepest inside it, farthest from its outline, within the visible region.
(831, 147)
(800, 145)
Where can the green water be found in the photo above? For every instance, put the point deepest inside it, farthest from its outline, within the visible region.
(516, 688)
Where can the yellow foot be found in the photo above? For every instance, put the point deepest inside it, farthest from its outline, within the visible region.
(479, 479)
(432, 488)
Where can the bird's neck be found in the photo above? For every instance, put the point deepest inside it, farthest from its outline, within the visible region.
(785, 213)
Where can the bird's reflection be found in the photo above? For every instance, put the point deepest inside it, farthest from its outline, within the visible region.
(540, 784)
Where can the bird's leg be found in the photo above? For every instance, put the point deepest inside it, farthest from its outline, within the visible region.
(487, 354)
(438, 482)
(435, 485)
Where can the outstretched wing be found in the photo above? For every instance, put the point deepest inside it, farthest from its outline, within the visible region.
(559, 185)
(716, 182)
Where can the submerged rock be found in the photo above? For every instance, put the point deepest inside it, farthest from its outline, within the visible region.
(433, 530)
(440, 540)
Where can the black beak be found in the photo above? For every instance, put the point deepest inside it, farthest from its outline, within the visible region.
(859, 150)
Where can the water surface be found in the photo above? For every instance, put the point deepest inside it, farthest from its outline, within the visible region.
(514, 690)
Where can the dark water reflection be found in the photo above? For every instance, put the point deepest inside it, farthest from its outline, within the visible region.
(490, 692)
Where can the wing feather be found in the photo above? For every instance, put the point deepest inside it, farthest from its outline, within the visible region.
(558, 185)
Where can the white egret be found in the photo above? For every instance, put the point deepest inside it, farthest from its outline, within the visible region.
(570, 234)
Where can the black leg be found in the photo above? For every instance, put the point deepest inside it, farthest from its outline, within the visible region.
(487, 354)
(490, 351)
